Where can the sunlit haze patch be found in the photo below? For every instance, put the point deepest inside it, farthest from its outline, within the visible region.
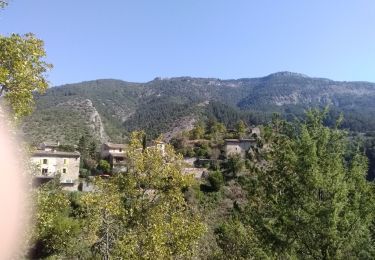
(12, 190)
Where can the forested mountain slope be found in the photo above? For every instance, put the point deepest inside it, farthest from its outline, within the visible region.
(108, 109)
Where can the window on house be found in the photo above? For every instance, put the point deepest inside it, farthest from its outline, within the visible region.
(44, 171)
(45, 161)
(65, 161)
(64, 170)
(120, 150)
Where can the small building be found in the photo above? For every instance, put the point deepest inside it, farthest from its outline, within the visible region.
(238, 146)
(50, 163)
(160, 146)
(114, 154)
(255, 131)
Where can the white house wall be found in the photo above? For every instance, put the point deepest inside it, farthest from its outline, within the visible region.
(56, 165)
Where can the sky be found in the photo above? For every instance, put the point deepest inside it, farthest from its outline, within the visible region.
(142, 39)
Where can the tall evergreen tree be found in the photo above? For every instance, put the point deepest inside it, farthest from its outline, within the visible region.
(83, 146)
(308, 201)
(241, 129)
(92, 150)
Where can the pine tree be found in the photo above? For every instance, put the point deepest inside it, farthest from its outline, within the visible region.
(308, 201)
(83, 146)
(241, 129)
(92, 150)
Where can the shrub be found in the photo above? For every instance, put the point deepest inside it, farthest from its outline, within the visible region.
(216, 180)
(104, 166)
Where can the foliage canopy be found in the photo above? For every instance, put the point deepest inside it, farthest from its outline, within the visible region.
(309, 200)
(22, 70)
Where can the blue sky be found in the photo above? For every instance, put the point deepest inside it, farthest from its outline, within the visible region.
(139, 40)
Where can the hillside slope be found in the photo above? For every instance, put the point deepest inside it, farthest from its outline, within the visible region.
(109, 109)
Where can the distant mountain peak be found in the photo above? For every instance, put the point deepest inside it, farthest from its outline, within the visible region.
(287, 74)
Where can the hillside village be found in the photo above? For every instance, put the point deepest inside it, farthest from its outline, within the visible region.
(98, 161)
(222, 176)
(52, 160)
(229, 164)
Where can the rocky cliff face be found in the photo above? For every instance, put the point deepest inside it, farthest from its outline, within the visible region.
(92, 118)
(65, 122)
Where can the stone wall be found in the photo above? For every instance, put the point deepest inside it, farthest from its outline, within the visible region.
(237, 147)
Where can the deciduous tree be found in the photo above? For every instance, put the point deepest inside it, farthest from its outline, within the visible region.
(104, 166)
(22, 71)
(198, 131)
(142, 214)
(55, 233)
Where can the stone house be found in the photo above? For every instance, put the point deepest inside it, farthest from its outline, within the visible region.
(49, 163)
(238, 146)
(114, 154)
(159, 145)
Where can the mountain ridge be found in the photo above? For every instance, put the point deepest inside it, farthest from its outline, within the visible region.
(156, 105)
(274, 74)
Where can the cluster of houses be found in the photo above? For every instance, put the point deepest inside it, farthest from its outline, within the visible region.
(49, 162)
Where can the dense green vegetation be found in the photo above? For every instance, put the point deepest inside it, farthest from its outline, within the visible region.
(311, 197)
(139, 214)
(157, 116)
(55, 124)
(22, 70)
(302, 193)
(303, 197)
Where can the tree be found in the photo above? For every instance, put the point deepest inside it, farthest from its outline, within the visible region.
(22, 70)
(103, 212)
(104, 166)
(198, 131)
(166, 227)
(308, 201)
(216, 129)
(83, 146)
(241, 129)
(216, 180)
(92, 150)
(142, 214)
(238, 241)
(144, 141)
(234, 165)
(55, 233)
